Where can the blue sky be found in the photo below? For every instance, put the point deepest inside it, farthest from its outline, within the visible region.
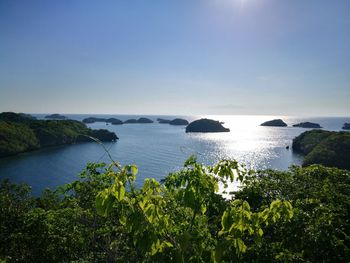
(281, 57)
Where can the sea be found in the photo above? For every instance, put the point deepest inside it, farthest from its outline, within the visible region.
(159, 149)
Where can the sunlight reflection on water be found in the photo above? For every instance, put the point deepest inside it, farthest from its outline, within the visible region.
(246, 142)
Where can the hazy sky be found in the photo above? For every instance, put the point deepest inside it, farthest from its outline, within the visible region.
(285, 57)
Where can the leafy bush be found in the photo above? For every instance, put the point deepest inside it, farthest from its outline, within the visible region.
(320, 228)
(297, 215)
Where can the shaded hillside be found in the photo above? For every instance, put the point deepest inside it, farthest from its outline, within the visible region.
(19, 133)
(324, 147)
(16, 138)
(307, 141)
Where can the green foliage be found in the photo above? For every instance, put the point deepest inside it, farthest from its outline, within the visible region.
(300, 215)
(57, 132)
(307, 141)
(320, 229)
(60, 226)
(323, 147)
(16, 117)
(16, 138)
(333, 151)
(20, 133)
(176, 221)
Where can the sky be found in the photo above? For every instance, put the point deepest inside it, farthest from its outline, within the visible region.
(183, 57)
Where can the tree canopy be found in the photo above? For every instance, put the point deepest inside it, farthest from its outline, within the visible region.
(299, 215)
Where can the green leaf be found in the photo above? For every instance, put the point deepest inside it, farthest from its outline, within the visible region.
(150, 212)
(104, 203)
(191, 161)
(218, 253)
(225, 220)
(189, 198)
(122, 220)
(134, 170)
(118, 190)
(240, 246)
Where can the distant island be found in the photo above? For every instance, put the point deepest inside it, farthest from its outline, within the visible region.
(94, 119)
(144, 120)
(274, 123)
(56, 116)
(28, 116)
(324, 147)
(308, 125)
(206, 125)
(113, 121)
(163, 121)
(19, 133)
(346, 126)
(130, 121)
(140, 120)
(178, 121)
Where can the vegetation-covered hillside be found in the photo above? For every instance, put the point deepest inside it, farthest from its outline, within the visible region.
(324, 147)
(20, 133)
(300, 215)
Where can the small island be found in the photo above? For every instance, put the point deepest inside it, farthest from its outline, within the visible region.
(163, 121)
(178, 121)
(206, 125)
(140, 120)
(130, 121)
(113, 121)
(274, 123)
(346, 126)
(56, 116)
(324, 147)
(19, 133)
(144, 120)
(93, 120)
(307, 124)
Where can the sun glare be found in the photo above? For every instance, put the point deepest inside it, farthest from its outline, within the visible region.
(237, 4)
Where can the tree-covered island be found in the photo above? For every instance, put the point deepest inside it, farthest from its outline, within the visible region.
(20, 133)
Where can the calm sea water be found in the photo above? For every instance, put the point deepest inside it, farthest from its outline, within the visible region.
(158, 149)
